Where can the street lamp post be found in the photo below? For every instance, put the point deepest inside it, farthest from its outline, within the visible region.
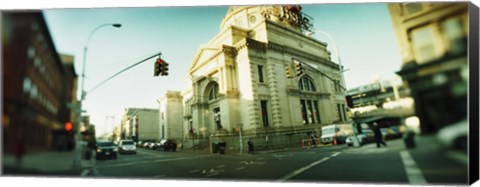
(341, 70)
(77, 157)
(334, 48)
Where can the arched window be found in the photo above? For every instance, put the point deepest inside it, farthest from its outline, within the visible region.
(309, 107)
(213, 92)
(306, 84)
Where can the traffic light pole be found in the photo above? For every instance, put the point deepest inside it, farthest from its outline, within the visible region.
(129, 67)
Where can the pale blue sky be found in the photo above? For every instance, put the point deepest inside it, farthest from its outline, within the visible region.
(363, 34)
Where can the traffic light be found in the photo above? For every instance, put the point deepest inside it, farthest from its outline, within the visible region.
(68, 126)
(298, 68)
(289, 71)
(158, 66)
(164, 69)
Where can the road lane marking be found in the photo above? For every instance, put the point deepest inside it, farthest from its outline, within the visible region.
(240, 168)
(151, 161)
(221, 166)
(414, 174)
(459, 157)
(294, 173)
(337, 153)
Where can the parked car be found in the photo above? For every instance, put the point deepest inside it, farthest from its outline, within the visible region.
(155, 145)
(365, 137)
(127, 146)
(139, 144)
(105, 149)
(146, 144)
(169, 145)
(454, 136)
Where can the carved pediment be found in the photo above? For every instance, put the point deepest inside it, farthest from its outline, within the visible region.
(203, 54)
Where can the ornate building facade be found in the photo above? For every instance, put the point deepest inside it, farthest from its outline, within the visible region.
(237, 83)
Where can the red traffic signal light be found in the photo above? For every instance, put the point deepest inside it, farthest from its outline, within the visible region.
(158, 66)
(68, 126)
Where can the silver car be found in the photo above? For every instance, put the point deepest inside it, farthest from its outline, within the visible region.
(127, 146)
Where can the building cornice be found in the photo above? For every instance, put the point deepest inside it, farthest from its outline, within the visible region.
(254, 44)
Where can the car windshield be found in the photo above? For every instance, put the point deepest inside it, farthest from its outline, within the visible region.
(105, 144)
(127, 143)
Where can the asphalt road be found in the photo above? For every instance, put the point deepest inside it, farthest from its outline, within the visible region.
(386, 165)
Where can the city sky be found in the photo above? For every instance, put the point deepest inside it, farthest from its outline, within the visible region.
(363, 34)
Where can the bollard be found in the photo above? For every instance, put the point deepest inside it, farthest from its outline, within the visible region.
(409, 140)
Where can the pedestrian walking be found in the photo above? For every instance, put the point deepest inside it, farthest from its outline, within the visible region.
(19, 151)
(378, 135)
(250, 146)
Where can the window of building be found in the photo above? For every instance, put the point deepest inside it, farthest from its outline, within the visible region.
(216, 118)
(263, 105)
(316, 112)
(27, 85)
(260, 73)
(190, 124)
(34, 91)
(310, 112)
(454, 34)
(306, 84)
(40, 38)
(37, 62)
(424, 45)
(31, 52)
(213, 93)
(339, 112)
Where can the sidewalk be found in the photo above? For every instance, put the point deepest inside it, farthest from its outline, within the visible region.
(47, 162)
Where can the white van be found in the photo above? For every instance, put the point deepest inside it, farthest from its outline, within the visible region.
(340, 132)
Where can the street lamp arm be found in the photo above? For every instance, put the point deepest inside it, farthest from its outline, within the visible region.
(100, 26)
(117, 25)
(334, 45)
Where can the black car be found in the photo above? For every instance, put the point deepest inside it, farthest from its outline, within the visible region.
(169, 145)
(105, 149)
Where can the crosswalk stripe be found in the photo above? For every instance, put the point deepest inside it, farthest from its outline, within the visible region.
(414, 174)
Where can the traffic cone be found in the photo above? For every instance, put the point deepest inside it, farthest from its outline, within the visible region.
(334, 141)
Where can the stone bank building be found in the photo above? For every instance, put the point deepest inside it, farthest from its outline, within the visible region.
(238, 85)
